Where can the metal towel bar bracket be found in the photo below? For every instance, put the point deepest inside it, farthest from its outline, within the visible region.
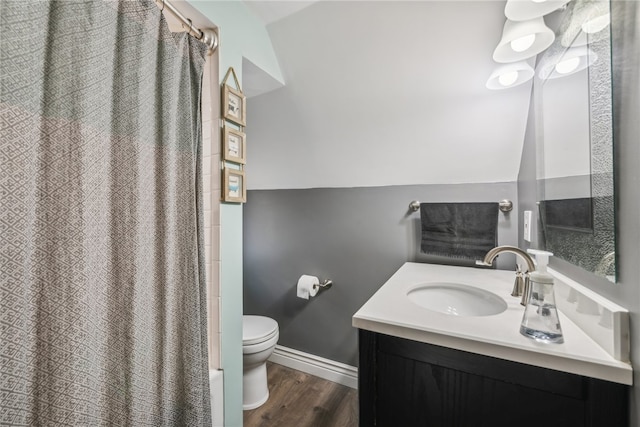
(504, 205)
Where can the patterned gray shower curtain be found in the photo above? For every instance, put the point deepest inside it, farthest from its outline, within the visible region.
(102, 295)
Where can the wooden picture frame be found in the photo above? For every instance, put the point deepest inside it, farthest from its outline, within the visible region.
(234, 145)
(234, 188)
(234, 105)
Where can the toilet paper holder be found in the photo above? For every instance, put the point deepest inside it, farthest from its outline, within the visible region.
(326, 284)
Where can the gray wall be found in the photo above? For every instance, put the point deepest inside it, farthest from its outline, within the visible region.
(357, 237)
(626, 111)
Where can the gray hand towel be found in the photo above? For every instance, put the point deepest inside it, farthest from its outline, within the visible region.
(459, 230)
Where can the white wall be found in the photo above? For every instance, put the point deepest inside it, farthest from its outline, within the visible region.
(386, 93)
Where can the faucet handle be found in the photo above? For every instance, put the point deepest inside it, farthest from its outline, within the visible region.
(518, 285)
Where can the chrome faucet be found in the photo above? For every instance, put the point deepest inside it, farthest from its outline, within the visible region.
(521, 286)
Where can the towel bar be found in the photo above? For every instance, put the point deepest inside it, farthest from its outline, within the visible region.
(504, 205)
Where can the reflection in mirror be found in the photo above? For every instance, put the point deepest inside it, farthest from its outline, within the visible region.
(575, 140)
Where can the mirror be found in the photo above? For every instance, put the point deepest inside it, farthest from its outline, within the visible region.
(574, 140)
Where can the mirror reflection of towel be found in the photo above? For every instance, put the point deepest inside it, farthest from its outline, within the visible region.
(459, 230)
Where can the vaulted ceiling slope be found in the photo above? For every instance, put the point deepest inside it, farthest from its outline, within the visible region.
(386, 93)
(270, 11)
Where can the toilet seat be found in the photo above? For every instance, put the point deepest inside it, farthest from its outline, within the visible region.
(257, 330)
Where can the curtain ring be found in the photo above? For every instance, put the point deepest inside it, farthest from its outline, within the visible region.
(190, 29)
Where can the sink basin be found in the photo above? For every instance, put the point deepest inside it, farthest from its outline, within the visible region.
(456, 299)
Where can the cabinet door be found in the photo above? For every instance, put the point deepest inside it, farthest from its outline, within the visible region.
(404, 383)
(412, 393)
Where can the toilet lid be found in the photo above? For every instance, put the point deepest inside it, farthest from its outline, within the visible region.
(256, 329)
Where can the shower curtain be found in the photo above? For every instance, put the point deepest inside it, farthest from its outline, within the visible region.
(102, 296)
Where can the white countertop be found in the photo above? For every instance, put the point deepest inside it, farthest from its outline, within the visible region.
(389, 311)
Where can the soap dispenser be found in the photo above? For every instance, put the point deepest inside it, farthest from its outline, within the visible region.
(540, 320)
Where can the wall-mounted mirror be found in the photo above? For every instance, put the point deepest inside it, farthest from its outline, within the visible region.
(572, 90)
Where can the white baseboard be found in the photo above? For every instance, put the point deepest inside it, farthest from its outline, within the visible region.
(316, 365)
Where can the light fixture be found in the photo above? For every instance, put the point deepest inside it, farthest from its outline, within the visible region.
(567, 66)
(596, 24)
(522, 40)
(588, 23)
(523, 43)
(523, 10)
(510, 75)
(573, 60)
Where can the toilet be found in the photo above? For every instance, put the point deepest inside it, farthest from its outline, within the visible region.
(259, 338)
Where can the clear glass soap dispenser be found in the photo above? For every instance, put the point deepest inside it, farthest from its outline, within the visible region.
(540, 320)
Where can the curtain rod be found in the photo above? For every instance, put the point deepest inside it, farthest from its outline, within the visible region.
(206, 36)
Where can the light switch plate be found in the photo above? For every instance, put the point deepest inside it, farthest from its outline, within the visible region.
(527, 226)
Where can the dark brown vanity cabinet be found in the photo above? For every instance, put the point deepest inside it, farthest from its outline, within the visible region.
(404, 383)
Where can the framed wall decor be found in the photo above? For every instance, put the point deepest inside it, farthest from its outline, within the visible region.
(234, 106)
(234, 110)
(234, 145)
(234, 188)
(234, 103)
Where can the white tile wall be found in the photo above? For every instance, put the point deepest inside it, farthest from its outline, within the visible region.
(211, 193)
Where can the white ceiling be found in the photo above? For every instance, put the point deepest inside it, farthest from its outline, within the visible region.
(386, 93)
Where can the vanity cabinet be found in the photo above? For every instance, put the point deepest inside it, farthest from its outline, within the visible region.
(404, 383)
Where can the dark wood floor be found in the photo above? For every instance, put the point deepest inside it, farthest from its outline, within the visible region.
(297, 399)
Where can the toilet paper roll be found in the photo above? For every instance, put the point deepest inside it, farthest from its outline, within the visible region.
(306, 286)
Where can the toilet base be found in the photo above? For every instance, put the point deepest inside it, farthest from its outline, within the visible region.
(255, 391)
